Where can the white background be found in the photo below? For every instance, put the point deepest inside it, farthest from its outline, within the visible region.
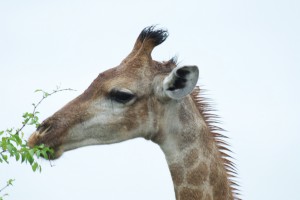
(248, 54)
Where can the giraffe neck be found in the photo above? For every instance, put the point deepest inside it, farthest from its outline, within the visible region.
(193, 157)
(197, 176)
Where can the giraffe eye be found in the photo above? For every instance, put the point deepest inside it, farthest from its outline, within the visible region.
(121, 96)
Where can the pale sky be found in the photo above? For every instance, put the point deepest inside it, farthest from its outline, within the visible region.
(248, 55)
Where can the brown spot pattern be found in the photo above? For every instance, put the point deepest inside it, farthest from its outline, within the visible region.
(186, 139)
(190, 194)
(198, 175)
(176, 173)
(184, 117)
(219, 181)
(191, 158)
(207, 197)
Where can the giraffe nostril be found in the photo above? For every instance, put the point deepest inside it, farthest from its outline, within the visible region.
(43, 128)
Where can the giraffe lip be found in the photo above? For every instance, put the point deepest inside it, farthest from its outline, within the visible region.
(53, 154)
(56, 154)
(42, 138)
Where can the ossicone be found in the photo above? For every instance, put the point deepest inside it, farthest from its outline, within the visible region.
(149, 38)
(153, 36)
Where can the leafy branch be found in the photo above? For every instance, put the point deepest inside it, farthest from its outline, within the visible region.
(13, 144)
(31, 118)
(8, 183)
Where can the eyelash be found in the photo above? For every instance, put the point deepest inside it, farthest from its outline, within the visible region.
(120, 96)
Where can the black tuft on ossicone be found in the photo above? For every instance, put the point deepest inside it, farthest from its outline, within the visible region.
(157, 35)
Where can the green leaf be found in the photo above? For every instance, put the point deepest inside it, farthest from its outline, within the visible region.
(23, 157)
(9, 130)
(46, 94)
(18, 139)
(4, 157)
(38, 90)
(31, 152)
(25, 115)
(17, 156)
(44, 153)
(38, 153)
(29, 158)
(10, 181)
(11, 149)
(3, 143)
(35, 166)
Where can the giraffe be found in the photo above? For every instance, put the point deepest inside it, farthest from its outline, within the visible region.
(158, 101)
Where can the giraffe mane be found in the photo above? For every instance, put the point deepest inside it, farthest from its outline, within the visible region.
(204, 106)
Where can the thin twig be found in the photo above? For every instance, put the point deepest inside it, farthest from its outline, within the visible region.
(7, 185)
(36, 105)
(4, 188)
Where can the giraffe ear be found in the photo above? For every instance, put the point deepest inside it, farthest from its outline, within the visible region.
(181, 81)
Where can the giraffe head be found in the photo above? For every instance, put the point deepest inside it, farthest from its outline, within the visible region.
(122, 103)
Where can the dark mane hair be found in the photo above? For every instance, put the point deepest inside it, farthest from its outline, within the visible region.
(157, 35)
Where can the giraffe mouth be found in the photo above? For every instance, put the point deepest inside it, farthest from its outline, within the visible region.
(45, 135)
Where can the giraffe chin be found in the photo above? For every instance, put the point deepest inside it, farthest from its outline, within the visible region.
(58, 152)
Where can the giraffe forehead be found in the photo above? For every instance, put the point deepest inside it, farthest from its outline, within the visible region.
(134, 74)
(129, 77)
(121, 78)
